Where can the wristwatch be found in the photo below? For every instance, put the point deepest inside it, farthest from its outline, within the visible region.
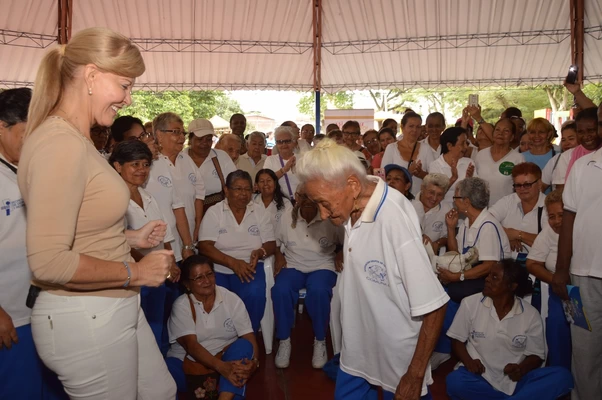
(481, 121)
(462, 276)
(256, 361)
(188, 247)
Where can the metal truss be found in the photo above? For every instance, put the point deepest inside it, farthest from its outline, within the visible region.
(221, 46)
(26, 39)
(594, 31)
(499, 39)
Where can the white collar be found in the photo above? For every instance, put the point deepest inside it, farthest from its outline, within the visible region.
(517, 307)
(376, 200)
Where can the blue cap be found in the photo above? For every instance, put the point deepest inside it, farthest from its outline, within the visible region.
(391, 167)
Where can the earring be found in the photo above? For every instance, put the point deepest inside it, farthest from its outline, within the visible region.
(90, 91)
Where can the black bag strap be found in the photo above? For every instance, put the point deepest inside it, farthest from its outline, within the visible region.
(539, 214)
(9, 166)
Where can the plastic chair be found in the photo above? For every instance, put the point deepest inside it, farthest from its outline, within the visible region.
(267, 322)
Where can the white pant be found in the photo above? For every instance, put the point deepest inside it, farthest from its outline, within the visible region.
(100, 347)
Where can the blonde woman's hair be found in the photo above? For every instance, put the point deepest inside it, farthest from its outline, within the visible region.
(331, 162)
(106, 49)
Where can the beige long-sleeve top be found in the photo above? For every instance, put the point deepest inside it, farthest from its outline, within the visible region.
(76, 204)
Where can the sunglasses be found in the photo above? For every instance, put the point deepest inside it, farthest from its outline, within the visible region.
(284, 141)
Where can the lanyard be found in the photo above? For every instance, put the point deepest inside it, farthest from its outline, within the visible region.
(9, 166)
(288, 183)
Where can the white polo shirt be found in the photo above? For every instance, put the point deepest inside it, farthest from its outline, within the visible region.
(246, 163)
(435, 152)
(498, 343)
(545, 248)
(273, 163)
(188, 183)
(487, 235)
(548, 172)
(559, 173)
(237, 241)
(136, 217)
(15, 275)
(272, 209)
(227, 321)
(160, 186)
(440, 166)
(433, 221)
(386, 287)
(581, 195)
(209, 173)
(309, 246)
(392, 156)
(509, 212)
(498, 173)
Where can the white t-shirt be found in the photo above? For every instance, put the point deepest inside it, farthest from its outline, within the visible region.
(509, 211)
(435, 152)
(545, 248)
(309, 247)
(237, 241)
(432, 222)
(227, 321)
(559, 174)
(15, 275)
(498, 343)
(273, 163)
(425, 155)
(581, 195)
(440, 166)
(386, 287)
(209, 173)
(136, 217)
(548, 171)
(272, 209)
(160, 186)
(188, 183)
(498, 173)
(487, 235)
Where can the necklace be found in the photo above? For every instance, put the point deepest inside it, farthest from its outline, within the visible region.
(73, 126)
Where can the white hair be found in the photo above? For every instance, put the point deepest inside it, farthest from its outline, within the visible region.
(256, 134)
(439, 180)
(284, 130)
(331, 163)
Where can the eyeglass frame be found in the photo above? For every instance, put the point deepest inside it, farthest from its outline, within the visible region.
(175, 132)
(209, 275)
(284, 141)
(526, 185)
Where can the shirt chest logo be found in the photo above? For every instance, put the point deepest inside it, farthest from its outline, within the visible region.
(8, 206)
(192, 177)
(229, 325)
(223, 231)
(253, 230)
(519, 341)
(438, 226)
(477, 335)
(164, 181)
(324, 242)
(375, 271)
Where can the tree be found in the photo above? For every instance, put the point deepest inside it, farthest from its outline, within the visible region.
(340, 100)
(188, 105)
(389, 100)
(558, 97)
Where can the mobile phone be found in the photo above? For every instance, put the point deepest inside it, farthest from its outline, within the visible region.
(473, 100)
(571, 77)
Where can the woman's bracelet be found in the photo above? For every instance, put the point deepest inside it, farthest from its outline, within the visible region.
(265, 253)
(129, 271)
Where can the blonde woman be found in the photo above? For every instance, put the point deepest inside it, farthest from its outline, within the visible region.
(87, 323)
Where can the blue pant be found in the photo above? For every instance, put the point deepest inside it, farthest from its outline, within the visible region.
(349, 387)
(252, 293)
(23, 374)
(152, 302)
(172, 292)
(444, 343)
(285, 295)
(542, 384)
(558, 334)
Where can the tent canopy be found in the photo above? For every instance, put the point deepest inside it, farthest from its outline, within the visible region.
(268, 44)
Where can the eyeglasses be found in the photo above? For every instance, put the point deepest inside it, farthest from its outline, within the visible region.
(375, 140)
(175, 132)
(526, 185)
(284, 141)
(143, 136)
(241, 189)
(457, 197)
(208, 276)
(351, 133)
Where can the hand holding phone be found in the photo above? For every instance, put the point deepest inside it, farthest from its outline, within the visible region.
(571, 77)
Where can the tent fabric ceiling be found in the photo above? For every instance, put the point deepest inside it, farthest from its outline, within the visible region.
(268, 44)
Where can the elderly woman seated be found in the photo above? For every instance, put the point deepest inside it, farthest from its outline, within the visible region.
(499, 340)
(479, 230)
(211, 336)
(237, 234)
(541, 262)
(309, 244)
(522, 213)
(431, 210)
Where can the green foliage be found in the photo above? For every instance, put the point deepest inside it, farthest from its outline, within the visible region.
(340, 100)
(594, 92)
(187, 104)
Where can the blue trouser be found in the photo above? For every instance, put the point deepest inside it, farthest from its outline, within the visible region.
(172, 292)
(349, 387)
(252, 293)
(285, 295)
(152, 302)
(24, 375)
(558, 334)
(542, 384)
(444, 343)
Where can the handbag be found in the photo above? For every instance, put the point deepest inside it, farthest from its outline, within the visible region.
(215, 198)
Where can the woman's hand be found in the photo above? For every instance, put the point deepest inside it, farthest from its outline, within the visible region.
(244, 270)
(338, 261)
(409, 387)
(445, 276)
(147, 237)
(153, 269)
(451, 218)
(514, 372)
(475, 366)
(454, 170)
(174, 271)
(416, 169)
(279, 262)
(232, 371)
(470, 170)
(475, 112)
(559, 282)
(186, 254)
(289, 164)
(8, 333)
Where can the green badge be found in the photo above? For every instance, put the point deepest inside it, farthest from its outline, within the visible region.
(506, 168)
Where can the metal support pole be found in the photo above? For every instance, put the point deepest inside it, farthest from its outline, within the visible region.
(318, 120)
(65, 21)
(317, 47)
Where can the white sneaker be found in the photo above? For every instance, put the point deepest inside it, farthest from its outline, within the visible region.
(283, 357)
(438, 358)
(319, 358)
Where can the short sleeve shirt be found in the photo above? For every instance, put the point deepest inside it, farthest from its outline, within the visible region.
(274, 163)
(545, 248)
(498, 173)
(487, 235)
(425, 155)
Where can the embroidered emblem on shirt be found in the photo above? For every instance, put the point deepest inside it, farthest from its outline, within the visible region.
(164, 181)
(519, 341)
(324, 242)
(376, 272)
(438, 226)
(477, 335)
(223, 231)
(192, 177)
(9, 206)
(229, 325)
(254, 230)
